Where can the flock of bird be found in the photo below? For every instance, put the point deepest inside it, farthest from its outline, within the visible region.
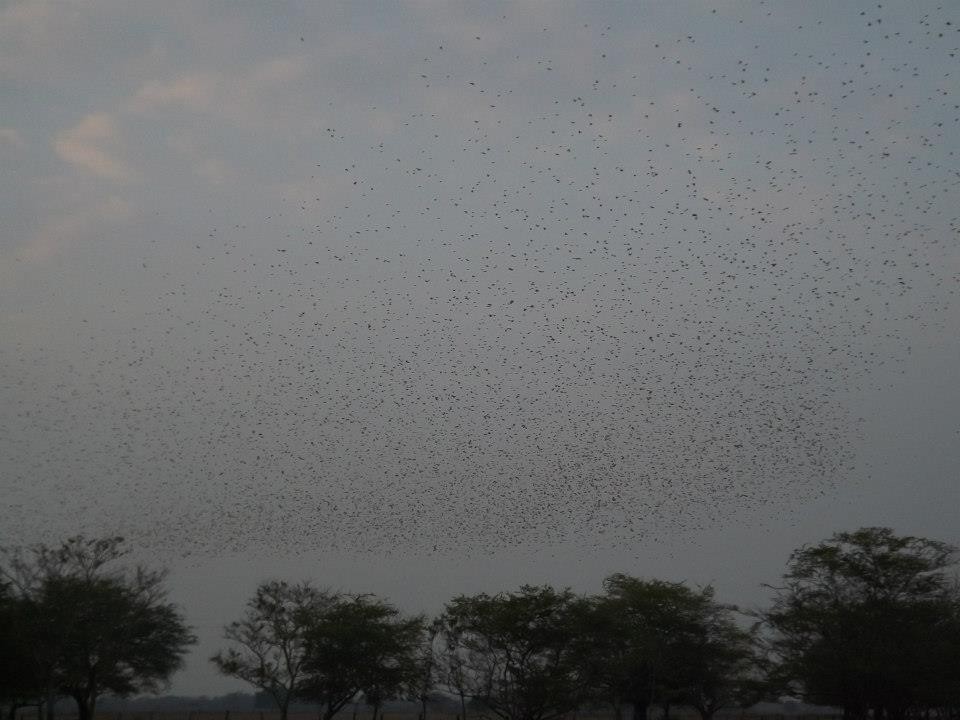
(576, 309)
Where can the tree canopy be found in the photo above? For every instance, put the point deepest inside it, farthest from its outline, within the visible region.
(360, 644)
(663, 642)
(299, 642)
(867, 620)
(21, 678)
(870, 621)
(519, 654)
(268, 644)
(90, 626)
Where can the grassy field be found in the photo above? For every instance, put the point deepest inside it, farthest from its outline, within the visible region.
(675, 714)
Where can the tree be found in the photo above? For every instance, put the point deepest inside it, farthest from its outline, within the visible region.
(21, 682)
(450, 661)
(394, 661)
(652, 641)
(865, 620)
(423, 678)
(720, 668)
(269, 641)
(360, 644)
(519, 654)
(96, 628)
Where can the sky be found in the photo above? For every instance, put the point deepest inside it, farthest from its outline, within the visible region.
(427, 298)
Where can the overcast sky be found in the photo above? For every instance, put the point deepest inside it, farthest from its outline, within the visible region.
(425, 298)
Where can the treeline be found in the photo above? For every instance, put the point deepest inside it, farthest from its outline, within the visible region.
(256, 704)
(867, 621)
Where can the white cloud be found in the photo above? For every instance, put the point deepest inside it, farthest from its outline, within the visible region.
(56, 231)
(11, 136)
(90, 145)
(28, 15)
(195, 91)
(202, 163)
(244, 98)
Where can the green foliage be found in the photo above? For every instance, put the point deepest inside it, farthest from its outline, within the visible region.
(268, 644)
(869, 621)
(21, 681)
(423, 674)
(519, 654)
(299, 642)
(866, 620)
(360, 644)
(662, 642)
(720, 667)
(92, 627)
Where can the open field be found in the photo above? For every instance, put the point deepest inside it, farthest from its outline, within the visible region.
(675, 714)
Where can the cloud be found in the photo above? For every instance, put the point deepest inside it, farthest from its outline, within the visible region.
(31, 16)
(83, 146)
(56, 231)
(10, 136)
(38, 39)
(202, 163)
(194, 91)
(247, 98)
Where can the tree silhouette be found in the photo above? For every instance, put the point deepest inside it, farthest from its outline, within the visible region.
(519, 654)
(95, 627)
(360, 644)
(269, 644)
(870, 621)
